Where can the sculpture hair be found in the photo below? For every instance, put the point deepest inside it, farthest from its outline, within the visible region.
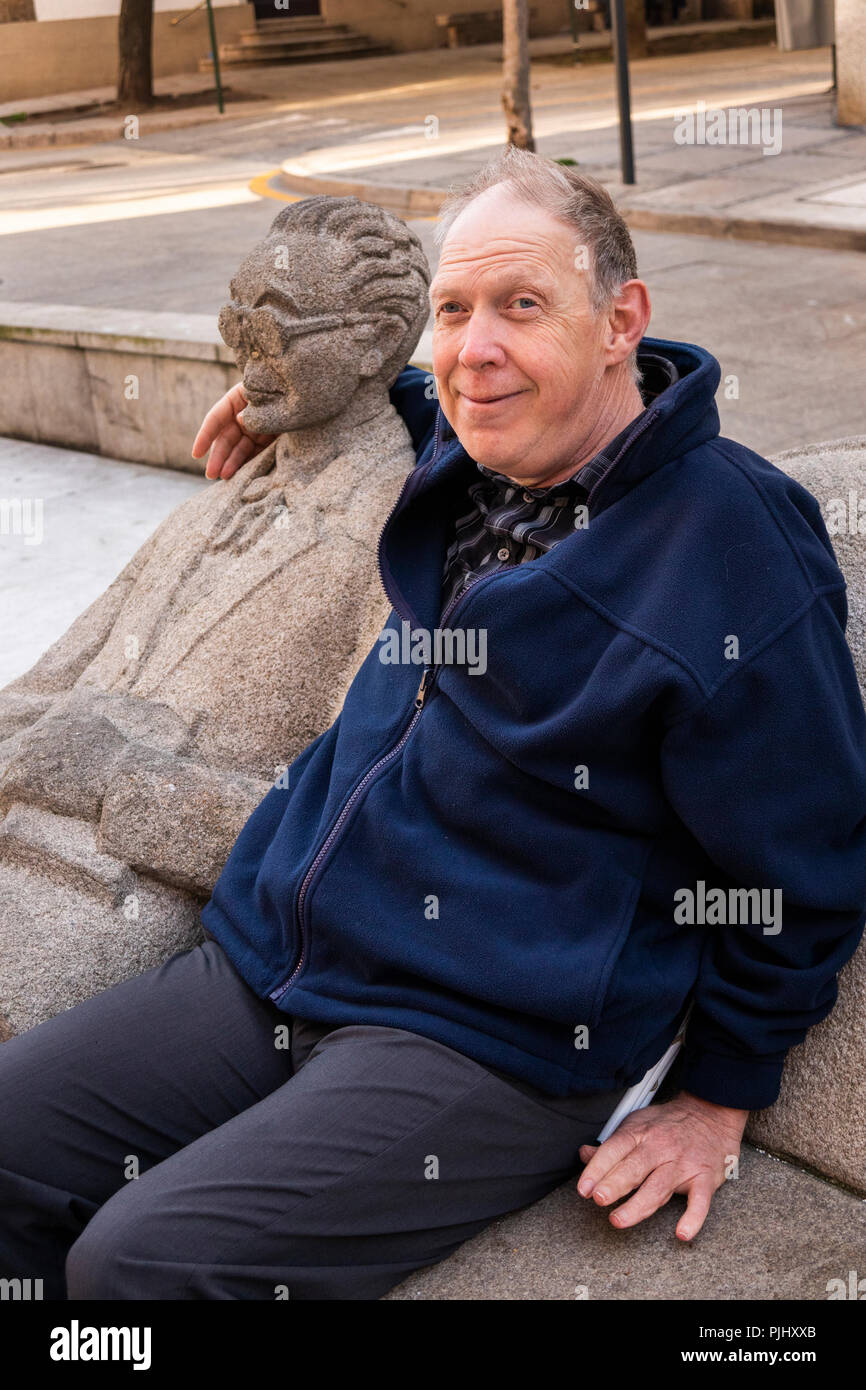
(387, 272)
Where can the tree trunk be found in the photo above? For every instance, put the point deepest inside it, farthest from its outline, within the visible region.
(515, 73)
(135, 60)
(635, 23)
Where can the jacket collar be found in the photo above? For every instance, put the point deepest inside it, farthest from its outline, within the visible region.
(413, 541)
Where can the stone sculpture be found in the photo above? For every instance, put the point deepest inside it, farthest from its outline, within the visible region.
(137, 746)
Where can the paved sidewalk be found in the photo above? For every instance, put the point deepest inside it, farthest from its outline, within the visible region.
(70, 129)
(405, 127)
(92, 515)
(778, 168)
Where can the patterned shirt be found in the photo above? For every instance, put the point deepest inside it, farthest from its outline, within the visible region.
(506, 523)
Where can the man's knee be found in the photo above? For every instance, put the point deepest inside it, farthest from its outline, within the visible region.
(114, 1257)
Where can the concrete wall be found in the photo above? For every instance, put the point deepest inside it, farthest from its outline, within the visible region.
(90, 9)
(411, 24)
(51, 354)
(851, 62)
(65, 55)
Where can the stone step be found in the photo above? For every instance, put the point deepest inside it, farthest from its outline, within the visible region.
(255, 39)
(353, 46)
(271, 28)
(291, 24)
(774, 1233)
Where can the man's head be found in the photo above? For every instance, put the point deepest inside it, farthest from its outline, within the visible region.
(330, 303)
(537, 316)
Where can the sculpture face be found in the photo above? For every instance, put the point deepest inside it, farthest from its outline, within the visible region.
(302, 350)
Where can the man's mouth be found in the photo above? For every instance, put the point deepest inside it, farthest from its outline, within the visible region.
(489, 400)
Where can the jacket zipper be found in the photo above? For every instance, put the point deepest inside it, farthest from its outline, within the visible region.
(427, 679)
(428, 675)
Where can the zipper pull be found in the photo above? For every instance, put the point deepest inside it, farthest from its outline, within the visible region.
(422, 688)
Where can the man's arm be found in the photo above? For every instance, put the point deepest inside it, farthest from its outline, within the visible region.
(769, 775)
(231, 444)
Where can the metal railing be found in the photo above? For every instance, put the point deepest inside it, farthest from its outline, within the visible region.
(206, 4)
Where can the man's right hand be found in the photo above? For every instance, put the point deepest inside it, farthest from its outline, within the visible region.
(223, 432)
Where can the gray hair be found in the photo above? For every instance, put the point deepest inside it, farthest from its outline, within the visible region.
(573, 198)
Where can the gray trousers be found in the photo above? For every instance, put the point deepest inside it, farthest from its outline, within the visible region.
(157, 1143)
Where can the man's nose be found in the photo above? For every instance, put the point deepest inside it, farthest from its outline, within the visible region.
(481, 346)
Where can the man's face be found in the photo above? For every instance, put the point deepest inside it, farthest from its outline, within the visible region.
(298, 358)
(518, 352)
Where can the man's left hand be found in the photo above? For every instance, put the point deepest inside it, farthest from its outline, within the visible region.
(682, 1146)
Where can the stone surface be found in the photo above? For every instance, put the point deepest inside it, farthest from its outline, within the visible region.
(140, 383)
(774, 1233)
(819, 1116)
(139, 743)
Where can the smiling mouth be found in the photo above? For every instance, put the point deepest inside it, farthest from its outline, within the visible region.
(490, 400)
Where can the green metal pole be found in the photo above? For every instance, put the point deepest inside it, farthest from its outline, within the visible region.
(216, 57)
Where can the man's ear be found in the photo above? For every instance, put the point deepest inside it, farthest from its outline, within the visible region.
(627, 321)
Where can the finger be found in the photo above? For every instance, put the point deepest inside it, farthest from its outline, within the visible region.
(626, 1175)
(243, 450)
(653, 1193)
(700, 1196)
(223, 445)
(607, 1155)
(217, 418)
(586, 1152)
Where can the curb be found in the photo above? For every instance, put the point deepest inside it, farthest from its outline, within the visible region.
(428, 201)
(399, 197)
(98, 130)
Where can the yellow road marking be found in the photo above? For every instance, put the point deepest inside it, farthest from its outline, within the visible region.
(261, 186)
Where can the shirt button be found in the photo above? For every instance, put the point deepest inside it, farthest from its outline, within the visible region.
(504, 553)
(528, 497)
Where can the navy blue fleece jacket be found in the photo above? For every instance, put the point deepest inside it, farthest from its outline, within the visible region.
(541, 864)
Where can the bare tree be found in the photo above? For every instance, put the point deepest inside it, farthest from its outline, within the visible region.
(515, 74)
(635, 24)
(135, 57)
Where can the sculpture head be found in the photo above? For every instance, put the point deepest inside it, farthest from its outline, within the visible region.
(330, 303)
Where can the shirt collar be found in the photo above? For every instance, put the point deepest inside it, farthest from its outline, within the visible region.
(657, 374)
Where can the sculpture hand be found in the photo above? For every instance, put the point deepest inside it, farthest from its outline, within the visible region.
(223, 432)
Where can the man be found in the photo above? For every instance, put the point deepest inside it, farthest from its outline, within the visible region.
(485, 897)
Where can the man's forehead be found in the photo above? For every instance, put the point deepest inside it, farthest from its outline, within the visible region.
(499, 232)
(499, 259)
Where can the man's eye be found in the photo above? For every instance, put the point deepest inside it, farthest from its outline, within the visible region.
(525, 301)
(450, 307)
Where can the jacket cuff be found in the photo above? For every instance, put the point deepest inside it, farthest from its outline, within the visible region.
(742, 1083)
